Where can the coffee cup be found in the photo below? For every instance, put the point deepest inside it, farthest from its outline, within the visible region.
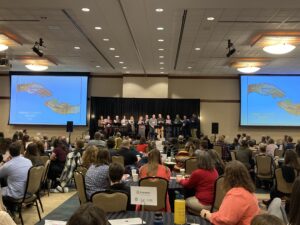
(182, 172)
(133, 171)
(135, 177)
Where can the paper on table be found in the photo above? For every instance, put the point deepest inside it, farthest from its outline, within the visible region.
(129, 221)
(55, 222)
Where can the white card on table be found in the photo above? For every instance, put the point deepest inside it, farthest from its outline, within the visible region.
(55, 222)
(143, 195)
(129, 221)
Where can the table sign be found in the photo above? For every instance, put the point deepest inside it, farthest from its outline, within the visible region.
(143, 195)
(129, 221)
(55, 222)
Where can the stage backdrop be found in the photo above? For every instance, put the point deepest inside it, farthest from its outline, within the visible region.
(140, 106)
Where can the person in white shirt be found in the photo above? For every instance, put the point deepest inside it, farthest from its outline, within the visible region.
(271, 148)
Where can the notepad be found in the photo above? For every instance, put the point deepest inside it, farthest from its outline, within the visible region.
(129, 221)
(55, 222)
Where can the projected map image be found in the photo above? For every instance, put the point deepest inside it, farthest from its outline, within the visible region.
(270, 100)
(52, 100)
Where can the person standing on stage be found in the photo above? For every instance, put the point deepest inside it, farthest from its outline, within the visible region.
(160, 129)
(101, 123)
(194, 125)
(147, 126)
(132, 126)
(116, 125)
(124, 128)
(152, 125)
(108, 127)
(141, 127)
(168, 127)
(177, 125)
(186, 132)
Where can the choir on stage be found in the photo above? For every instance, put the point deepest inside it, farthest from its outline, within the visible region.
(156, 127)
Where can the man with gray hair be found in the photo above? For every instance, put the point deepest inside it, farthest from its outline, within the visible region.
(98, 140)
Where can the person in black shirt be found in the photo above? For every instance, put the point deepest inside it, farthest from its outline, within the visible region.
(130, 158)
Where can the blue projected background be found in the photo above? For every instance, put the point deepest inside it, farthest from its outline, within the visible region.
(48, 100)
(270, 100)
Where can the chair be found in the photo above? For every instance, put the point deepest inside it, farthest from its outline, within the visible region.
(278, 153)
(118, 159)
(233, 155)
(110, 202)
(44, 159)
(31, 194)
(218, 195)
(82, 170)
(191, 165)
(45, 180)
(80, 186)
(218, 149)
(162, 190)
(264, 166)
(281, 184)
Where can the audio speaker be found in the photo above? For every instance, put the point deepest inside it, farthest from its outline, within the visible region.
(69, 126)
(214, 128)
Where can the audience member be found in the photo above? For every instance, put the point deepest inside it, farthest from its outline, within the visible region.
(217, 161)
(111, 147)
(225, 150)
(97, 140)
(5, 218)
(41, 148)
(130, 158)
(271, 147)
(294, 204)
(32, 153)
(142, 146)
(79, 146)
(96, 178)
(202, 181)
(88, 214)
(118, 141)
(239, 205)
(89, 156)
(266, 219)
(244, 155)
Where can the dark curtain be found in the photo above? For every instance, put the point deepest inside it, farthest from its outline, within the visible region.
(140, 107)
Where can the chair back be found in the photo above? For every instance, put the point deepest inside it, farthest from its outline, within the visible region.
(118, 159)
(44, 159)
(233, 155)
(82, 170)
(264, 165)
(80, 186)
(281, 184)
(219, 194)
(45, 174)
(278, 153)
(110, 202)
(34, 179)
(218, 149)
(162, 189)
(191, 165)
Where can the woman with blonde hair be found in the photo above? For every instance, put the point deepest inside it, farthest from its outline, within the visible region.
(89, 156)
(154, 168)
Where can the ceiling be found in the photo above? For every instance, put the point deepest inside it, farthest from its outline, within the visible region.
(130, 26)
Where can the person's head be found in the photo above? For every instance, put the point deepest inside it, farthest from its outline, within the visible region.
(41, 147)
(244, 143)
(118, 134)
(266, 219)
(4, 145)
(294, 213)
(110, 143)
(1, 135)
(89, 155)
(15, 149)
(88, 214)
(32, 150)
(116, 172)
(204, 161)
(154, 157)
(102, 157)
(153, 116)
(237, 175)
(271, 141)
(57, 143)
(79, 144)
(204, 145)
(262, 148)
(159, 116)
(125, 144)
(221, 138)
(97, 136)
(168, 117)
(142, 140)
(290, 139)
(290, 159)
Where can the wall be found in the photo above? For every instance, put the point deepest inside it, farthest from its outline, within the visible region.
(219, 102)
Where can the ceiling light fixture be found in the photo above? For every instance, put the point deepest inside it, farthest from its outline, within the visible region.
(161, 49)
(117, 56)
(161, 63)
(160, 28)
(112, 49)
(3, 47)
(98, 28)
(162, 72)
(162, 68)
(36, 67)
(124, 67)
(197, 49)
(160, 40)
(279, 49)
(105, 39)
(189, 67)
(121, 62)
(248, 69)
(161, 57)
(98, 66)
(159, 10)
(85, 9)
(210, 18)
(77, 47)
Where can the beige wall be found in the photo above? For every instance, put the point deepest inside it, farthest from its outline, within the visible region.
(213, 92)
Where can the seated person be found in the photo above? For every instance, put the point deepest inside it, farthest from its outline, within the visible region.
(98, 140)
(203, 181)
(111, 147)
(96, 178)
(32, 153)
(88, 214)
(116, 172)
(271, 147)
(118, 141)
(89, 156)
(142, 146)
(15, 170)
(5, 218)
(130, 158)
(266, 219)
(244, 155)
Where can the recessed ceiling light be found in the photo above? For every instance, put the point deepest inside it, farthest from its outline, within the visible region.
(159, 10)
(112, 49)
(160, 28)
(3, 47)
(98, 66)
(77, 47)
(121, 62)
(161, 57)
(210, 18)
(36, 67)
(161, 63)
(117, 56)
(279, 49)
(162, 68)
(160, 40)
(248, 69)
(162, 72)
(124, 67)
(105, 39)
(85, 9)
(98, 28)
(127, 72)
(197, 49)
(161, 49)
(189, 67)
